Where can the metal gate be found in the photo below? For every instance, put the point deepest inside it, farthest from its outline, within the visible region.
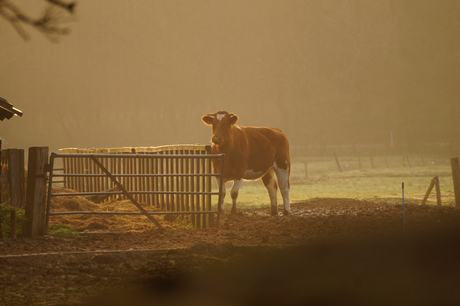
(171, 183)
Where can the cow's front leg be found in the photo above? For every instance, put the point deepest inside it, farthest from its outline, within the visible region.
(234, 193)
(222, 195)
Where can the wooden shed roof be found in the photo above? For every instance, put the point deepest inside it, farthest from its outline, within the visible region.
(7, 110)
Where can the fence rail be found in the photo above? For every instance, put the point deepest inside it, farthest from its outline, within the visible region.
(172, 179)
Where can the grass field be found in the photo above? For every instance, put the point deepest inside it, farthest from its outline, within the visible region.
(381, 183)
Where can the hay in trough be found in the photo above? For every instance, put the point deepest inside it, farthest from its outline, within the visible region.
(93, 223)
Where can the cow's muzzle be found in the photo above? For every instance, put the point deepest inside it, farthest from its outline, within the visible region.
(217, 140)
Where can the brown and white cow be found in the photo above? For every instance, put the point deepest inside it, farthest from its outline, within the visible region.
(251, 153)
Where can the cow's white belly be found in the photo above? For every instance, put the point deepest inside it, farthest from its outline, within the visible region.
(253, 175)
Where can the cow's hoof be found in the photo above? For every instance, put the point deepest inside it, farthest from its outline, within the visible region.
(274, 213)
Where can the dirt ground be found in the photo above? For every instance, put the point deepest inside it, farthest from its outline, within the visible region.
(94, 269)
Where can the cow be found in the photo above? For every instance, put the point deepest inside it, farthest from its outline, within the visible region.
(250, 153)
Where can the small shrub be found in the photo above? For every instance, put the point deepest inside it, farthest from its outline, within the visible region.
(62, 231)
(5, 215)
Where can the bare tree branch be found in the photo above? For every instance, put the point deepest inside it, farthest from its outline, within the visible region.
(68, 6)
(48, 23)
(15, 22)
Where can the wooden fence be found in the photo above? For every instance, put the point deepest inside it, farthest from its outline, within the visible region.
(172, 179)
(12, 179)
(14, 187)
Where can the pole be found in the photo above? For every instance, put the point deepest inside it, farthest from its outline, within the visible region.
(1, 168)
(428, 192)
(404, 209)
(455, 164)
(337, 162)
(438, 191)
(306, 170)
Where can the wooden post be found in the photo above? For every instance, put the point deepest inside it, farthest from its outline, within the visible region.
(338, 163)
(16, 177)
(1, 217)
(306, 170)
(455, 164)
(36, 192)
(434, 183)
(428, 191)
(1, 170)
(198, 189)
(438, 191)
(209, 170)
(193, 204)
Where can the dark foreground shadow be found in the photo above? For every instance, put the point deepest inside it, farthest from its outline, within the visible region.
(421, 268)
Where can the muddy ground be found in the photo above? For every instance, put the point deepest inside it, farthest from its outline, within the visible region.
(328, 251)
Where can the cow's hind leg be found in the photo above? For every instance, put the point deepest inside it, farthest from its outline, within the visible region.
(234, 193)
(272, 188)
(283, 172)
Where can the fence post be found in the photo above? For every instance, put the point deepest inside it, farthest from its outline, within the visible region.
(36, 191)
(337, 162)
(1, 171)
(16, 177)
(438, 191)
(455, 164)
(433, 182)
(306, 170)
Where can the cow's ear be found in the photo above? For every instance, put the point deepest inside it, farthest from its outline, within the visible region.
(233, 119)
(207, 119)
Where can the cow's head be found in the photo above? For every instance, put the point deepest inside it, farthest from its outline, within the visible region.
(221, 123)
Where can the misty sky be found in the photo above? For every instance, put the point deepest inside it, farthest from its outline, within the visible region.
(142, 73)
